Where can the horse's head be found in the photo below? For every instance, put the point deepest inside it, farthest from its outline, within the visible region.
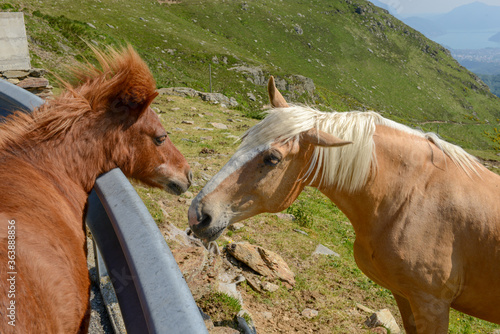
(121, 94)
(263, 178)
(153, 159)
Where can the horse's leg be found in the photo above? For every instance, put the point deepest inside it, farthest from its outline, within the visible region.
(431, 315)
(406, 314)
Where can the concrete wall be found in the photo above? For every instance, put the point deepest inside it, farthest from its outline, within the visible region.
(14, 54)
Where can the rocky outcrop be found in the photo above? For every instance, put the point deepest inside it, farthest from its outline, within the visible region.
(215, 98)
(296, 85)
(32, 80)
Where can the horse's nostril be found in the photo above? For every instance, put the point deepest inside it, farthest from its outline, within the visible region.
(205, 221)
(190, 177)
(175, 188)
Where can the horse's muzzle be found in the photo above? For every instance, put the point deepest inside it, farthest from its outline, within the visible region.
(178, 187)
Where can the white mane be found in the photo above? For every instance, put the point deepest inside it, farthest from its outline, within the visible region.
(347, 167)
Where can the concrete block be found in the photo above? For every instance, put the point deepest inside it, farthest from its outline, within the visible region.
(14, 53)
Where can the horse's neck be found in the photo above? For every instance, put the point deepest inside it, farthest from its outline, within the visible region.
(402, 162)
(70, 168)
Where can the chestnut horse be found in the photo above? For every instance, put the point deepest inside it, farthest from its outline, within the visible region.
(425, 213)
(49, 161)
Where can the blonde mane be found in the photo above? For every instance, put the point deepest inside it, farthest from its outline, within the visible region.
(347, 167)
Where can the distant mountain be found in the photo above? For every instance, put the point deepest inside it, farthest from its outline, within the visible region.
(473, 16)
(469, 26)
(495, 38)
(382, 5)
(426, 26)
(493, 81)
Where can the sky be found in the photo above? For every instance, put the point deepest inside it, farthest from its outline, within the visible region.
(410, 7)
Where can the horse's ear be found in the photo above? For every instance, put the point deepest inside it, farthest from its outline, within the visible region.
(131, 107)
(277, 100)
(320, 138)
(123, 84)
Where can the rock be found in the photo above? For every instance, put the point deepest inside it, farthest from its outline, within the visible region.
(383, 318)
(253, 281)
(217, 98)
(263, 261)
(267, 315)
(224, 330)
(322, 250)
(205, 176)
(15, 74)
(91, 25)
(309, 313)
(109, 25)
(298, 29)
(300, 231)
(285, 216)
(251, 97)
(236, 226)
(219, 126)
(200, 269)
(178, 91)
(33, 83)
(364, 308)
(230, 290)
(37, 72)
(188, 122)
(253, 74)
(271, 287)
(301, 84)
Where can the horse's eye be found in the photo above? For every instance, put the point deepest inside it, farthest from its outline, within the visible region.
(272, 160)
(160, 140)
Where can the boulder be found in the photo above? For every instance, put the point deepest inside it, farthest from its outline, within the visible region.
(33, 83)
(263, 261)
(385, 319)
(322, 250)
(15, 74)
(219, 126)
(309, 313)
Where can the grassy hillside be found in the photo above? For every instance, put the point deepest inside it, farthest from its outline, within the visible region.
(358, 55)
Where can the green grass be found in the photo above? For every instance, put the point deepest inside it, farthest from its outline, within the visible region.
(220, 306)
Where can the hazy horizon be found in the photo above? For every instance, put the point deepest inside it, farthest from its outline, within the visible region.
(422, 7)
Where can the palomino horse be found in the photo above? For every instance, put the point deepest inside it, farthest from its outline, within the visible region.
(49, 161)
(426, 215)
